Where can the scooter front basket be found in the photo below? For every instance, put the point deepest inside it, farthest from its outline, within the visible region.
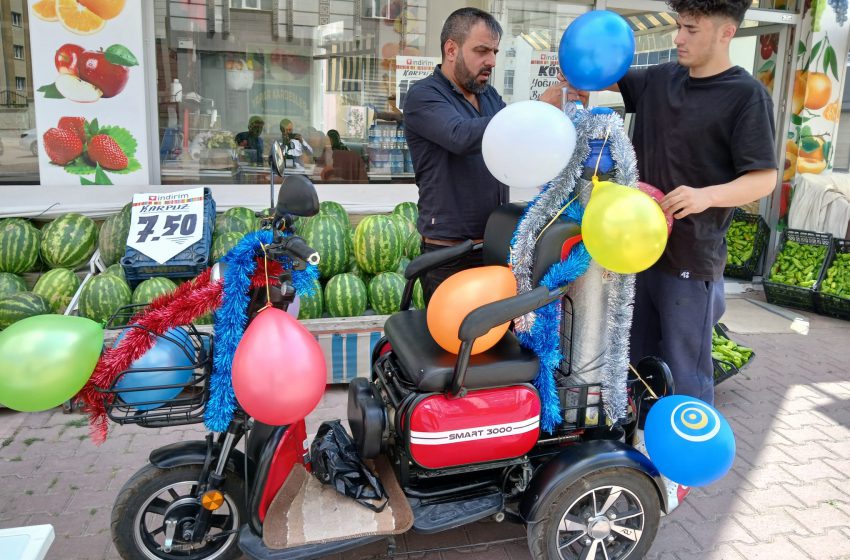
(168, 386)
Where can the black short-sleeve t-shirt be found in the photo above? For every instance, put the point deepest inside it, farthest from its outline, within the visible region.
(698, 132)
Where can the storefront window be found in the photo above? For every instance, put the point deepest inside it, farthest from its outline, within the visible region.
(18, 147)
(331, 75)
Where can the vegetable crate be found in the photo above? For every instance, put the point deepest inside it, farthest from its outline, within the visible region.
(187, 264)
(753, 265)
(790, 295)
(725, 368)
(837, 303)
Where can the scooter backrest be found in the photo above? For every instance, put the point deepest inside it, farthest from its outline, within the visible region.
(297, 196)
(500, 230)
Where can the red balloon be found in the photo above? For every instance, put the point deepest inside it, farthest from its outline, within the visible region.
(658, 196)
(279, 369)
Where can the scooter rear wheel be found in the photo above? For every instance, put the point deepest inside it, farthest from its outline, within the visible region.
(613, 514)
(153, 497)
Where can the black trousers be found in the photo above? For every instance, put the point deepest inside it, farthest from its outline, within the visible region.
(674, 319)
(433, 278)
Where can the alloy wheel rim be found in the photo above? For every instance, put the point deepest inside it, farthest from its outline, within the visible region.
(149, 524)
(605, 522)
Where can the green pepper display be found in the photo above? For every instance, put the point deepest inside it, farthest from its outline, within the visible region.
(726, 352)
(837, 281)
(798, 264)
(740, 241)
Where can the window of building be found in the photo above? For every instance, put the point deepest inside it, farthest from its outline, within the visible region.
(334, 73)
(20, 83)
(17, 20)
(18, 51)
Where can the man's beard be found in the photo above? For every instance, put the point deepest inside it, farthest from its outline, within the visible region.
(467, 79)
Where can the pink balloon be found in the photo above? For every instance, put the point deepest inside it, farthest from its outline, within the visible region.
(658, 196)
(279, 369)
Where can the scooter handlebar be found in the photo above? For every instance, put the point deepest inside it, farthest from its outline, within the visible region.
(298, 248)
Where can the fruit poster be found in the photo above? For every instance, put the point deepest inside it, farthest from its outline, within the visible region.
(90, 91)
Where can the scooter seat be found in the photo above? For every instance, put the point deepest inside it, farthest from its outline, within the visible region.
(430, 368)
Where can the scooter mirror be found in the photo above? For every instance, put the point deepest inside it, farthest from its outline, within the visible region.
(297, 196)
(277, 158)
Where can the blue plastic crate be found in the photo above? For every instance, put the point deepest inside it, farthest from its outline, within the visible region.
(187, 264)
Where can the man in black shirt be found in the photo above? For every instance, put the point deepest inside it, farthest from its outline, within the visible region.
(704, 135)
(445, 116)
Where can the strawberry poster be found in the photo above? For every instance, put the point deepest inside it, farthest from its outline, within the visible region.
(90, 91)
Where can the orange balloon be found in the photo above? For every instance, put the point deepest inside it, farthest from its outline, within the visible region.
(463, 292)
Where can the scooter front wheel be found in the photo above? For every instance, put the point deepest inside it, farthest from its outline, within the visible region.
(154, 514)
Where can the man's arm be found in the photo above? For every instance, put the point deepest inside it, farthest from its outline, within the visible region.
(430, 115)
(685, 200)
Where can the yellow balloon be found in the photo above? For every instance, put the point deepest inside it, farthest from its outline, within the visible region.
(623, 229)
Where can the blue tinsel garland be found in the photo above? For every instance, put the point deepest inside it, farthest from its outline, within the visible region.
(544, 338)
(232, 317)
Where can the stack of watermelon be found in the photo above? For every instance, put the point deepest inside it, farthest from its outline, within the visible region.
(361, 269)
(63, 245)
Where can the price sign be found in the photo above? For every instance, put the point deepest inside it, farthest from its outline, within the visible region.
(163, 224)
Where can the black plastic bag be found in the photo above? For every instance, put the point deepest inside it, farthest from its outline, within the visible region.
(336, 462)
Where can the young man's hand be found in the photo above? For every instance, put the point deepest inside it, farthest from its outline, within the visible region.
(683, 201)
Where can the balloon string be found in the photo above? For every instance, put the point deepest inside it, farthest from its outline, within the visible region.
(599, 157)
(645, 384)
(266, 271)
(552, 221)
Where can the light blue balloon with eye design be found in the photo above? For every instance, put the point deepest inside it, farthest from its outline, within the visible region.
(689, 441)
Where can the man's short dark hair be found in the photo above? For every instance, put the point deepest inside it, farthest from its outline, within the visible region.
(459, 23)
(733, 9)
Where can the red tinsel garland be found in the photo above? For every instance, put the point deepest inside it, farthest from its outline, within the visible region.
(188, 302)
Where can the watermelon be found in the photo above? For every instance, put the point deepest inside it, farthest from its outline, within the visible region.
(112, 240)
(385, 291)
(335, 209)
(204, 319)
(402, 265)
(302, 225)
(311, 305)
(407, 209)
(418, 296)
(345, 296)
(413, 245)
(377, 244)
(21, 305)
(19, 242)
(355, 269)
(223, 243)
(239, 219)
(57, 287)
(327, 236)
(102, 296)
(117, 270)
(68, 241)
(151, 289)
(10, 284)
(405, 226)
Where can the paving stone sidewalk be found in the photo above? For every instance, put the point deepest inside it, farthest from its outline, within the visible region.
(788, 495)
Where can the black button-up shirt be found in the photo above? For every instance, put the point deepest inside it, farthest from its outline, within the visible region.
(456, 191)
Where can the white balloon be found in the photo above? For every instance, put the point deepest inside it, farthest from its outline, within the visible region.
(528, 143)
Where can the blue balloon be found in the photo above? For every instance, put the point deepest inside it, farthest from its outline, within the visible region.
(689, 441)
(168, 352)
(596, 50)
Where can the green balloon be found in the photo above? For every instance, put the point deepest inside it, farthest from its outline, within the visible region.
(45, 360)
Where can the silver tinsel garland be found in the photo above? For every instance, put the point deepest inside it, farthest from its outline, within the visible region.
(547, 205)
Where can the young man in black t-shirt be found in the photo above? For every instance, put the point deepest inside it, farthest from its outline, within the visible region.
(704, 135)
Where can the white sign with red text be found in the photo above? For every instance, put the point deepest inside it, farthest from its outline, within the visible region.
(163, 224)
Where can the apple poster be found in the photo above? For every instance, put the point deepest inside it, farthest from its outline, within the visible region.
(89, 92)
